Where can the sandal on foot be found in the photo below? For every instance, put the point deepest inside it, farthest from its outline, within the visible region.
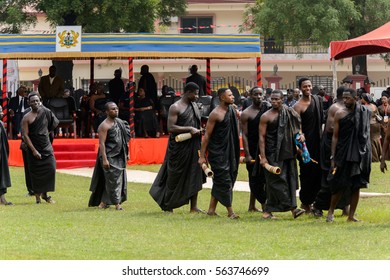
(298, 212)
(48, 199)
(197, 211)
(213, 214)
(103, 206)
(233, 216)
(269, 217)
(329, 218)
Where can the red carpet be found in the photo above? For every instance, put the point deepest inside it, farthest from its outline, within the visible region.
(75, 153)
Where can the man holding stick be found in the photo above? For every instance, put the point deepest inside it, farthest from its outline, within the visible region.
(278, 129)
(221, 140)
(250, 119)
(180, 177)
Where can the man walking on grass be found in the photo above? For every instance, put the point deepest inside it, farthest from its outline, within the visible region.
(350, 153)
(109, 181)
(221, 140)
(180, 177)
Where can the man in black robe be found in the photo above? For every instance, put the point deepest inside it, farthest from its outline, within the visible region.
(221, 140)
(351, 153)
(116, 86)
(322, 201)
(148, 83)
(197, 79)
(109, 181)
(24, 148)
(250, 119)
(5, 179)
(309, 107)
(180, 177)
(36, 127)
(278, 129)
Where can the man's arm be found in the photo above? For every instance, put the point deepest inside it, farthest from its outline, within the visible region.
(26, 138)
(102, 131)
(335, 139)
(205, 141)
(173, 114)
(385, 148)
(262, 132)
(244, 127)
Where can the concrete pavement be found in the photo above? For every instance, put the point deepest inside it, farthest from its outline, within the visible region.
(138, 176)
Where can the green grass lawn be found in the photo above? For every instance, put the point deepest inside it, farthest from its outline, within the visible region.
(69, 230)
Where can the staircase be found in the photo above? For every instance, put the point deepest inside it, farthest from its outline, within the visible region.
(75, 154)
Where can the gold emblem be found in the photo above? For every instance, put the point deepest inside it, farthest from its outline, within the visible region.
(68, 39)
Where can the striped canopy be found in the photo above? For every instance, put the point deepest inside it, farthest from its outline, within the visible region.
(127, 45)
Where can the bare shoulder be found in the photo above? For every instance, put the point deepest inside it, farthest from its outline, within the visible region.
(266, 116)
(298, 106)
(104, 126)
(217, 114)
(245, 114)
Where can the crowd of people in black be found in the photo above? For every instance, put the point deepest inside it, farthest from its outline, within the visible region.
(335, 139)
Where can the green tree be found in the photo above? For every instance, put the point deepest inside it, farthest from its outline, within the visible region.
(320, 21)
(14, 16)
(112, 16)
(95, 16)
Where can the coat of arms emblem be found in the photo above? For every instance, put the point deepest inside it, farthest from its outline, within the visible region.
(68, 38)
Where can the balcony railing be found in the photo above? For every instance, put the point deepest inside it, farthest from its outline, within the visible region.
(270, 46)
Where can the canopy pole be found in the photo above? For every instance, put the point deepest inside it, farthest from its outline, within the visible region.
(131, 70)
(4, 95)
(258, 63)
(92, 71)
(208, 77)
(334, 70)
(131, 97)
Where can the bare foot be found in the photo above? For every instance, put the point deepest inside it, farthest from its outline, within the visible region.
(118, 207)
(352, 219)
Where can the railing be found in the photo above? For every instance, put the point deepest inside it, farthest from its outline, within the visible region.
(270, 46)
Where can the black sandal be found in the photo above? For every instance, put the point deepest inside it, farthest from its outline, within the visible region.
(48, 199)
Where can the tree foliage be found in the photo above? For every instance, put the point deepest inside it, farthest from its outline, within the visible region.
(111, 16)
(320, 21)
(14, 16)
(93, 15)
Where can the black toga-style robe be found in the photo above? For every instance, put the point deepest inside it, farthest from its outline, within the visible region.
(180, 176)
(224, 155)
(42, 171)
(310, 173)
(255, 171)
(5, 179)
(280, 151)
(353, 151)
(110, 185)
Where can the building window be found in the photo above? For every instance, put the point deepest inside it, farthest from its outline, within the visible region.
(196, 25)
